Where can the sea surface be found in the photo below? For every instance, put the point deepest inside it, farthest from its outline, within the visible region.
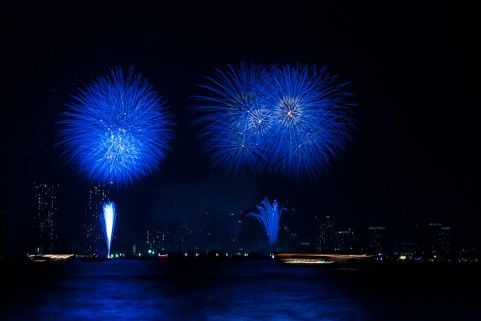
(236, 290)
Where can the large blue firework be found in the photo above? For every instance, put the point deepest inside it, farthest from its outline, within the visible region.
(290, 120)
(117, 129)
(235, 119)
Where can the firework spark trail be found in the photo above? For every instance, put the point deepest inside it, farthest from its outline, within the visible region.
(290, 120)
(117, 129)
(269, 216)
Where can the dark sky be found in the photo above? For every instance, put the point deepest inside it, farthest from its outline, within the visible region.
(413, 158)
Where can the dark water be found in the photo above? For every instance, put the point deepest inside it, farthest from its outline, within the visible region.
(235, 290)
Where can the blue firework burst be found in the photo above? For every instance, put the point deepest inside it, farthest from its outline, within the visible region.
(117, 129)
(311, 118)
(235, 119)
(290, 120)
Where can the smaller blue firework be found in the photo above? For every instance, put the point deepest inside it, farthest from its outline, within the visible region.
(117, 129)
(311, 119)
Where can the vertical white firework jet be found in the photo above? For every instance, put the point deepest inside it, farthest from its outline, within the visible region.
(108, 222)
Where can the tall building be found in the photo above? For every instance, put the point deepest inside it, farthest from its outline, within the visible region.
(233, 228)
(377, 239)
(417, 240)
(158, 241)
(344, 241)
(325, 234)
(45, 217)
(438, 240)
(183, 236)
(97, 196)
(203, 230)
(433, 241)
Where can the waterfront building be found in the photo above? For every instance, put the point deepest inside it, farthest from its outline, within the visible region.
(377, 239)
(45, 217)
(325, 234)
(344, 241)
(94, 241)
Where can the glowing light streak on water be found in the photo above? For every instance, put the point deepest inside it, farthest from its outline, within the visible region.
(108, 222)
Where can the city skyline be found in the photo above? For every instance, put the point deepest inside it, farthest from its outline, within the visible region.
(203, 232)
(411, 160)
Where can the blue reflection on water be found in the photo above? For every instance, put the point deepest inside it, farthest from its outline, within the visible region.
(203, 290)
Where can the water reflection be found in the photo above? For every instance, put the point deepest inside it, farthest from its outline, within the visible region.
(206, 290)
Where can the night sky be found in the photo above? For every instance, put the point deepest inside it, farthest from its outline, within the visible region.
(413, 158)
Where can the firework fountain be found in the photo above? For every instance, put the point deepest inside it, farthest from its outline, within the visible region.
(116, 131)
(269, 216)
